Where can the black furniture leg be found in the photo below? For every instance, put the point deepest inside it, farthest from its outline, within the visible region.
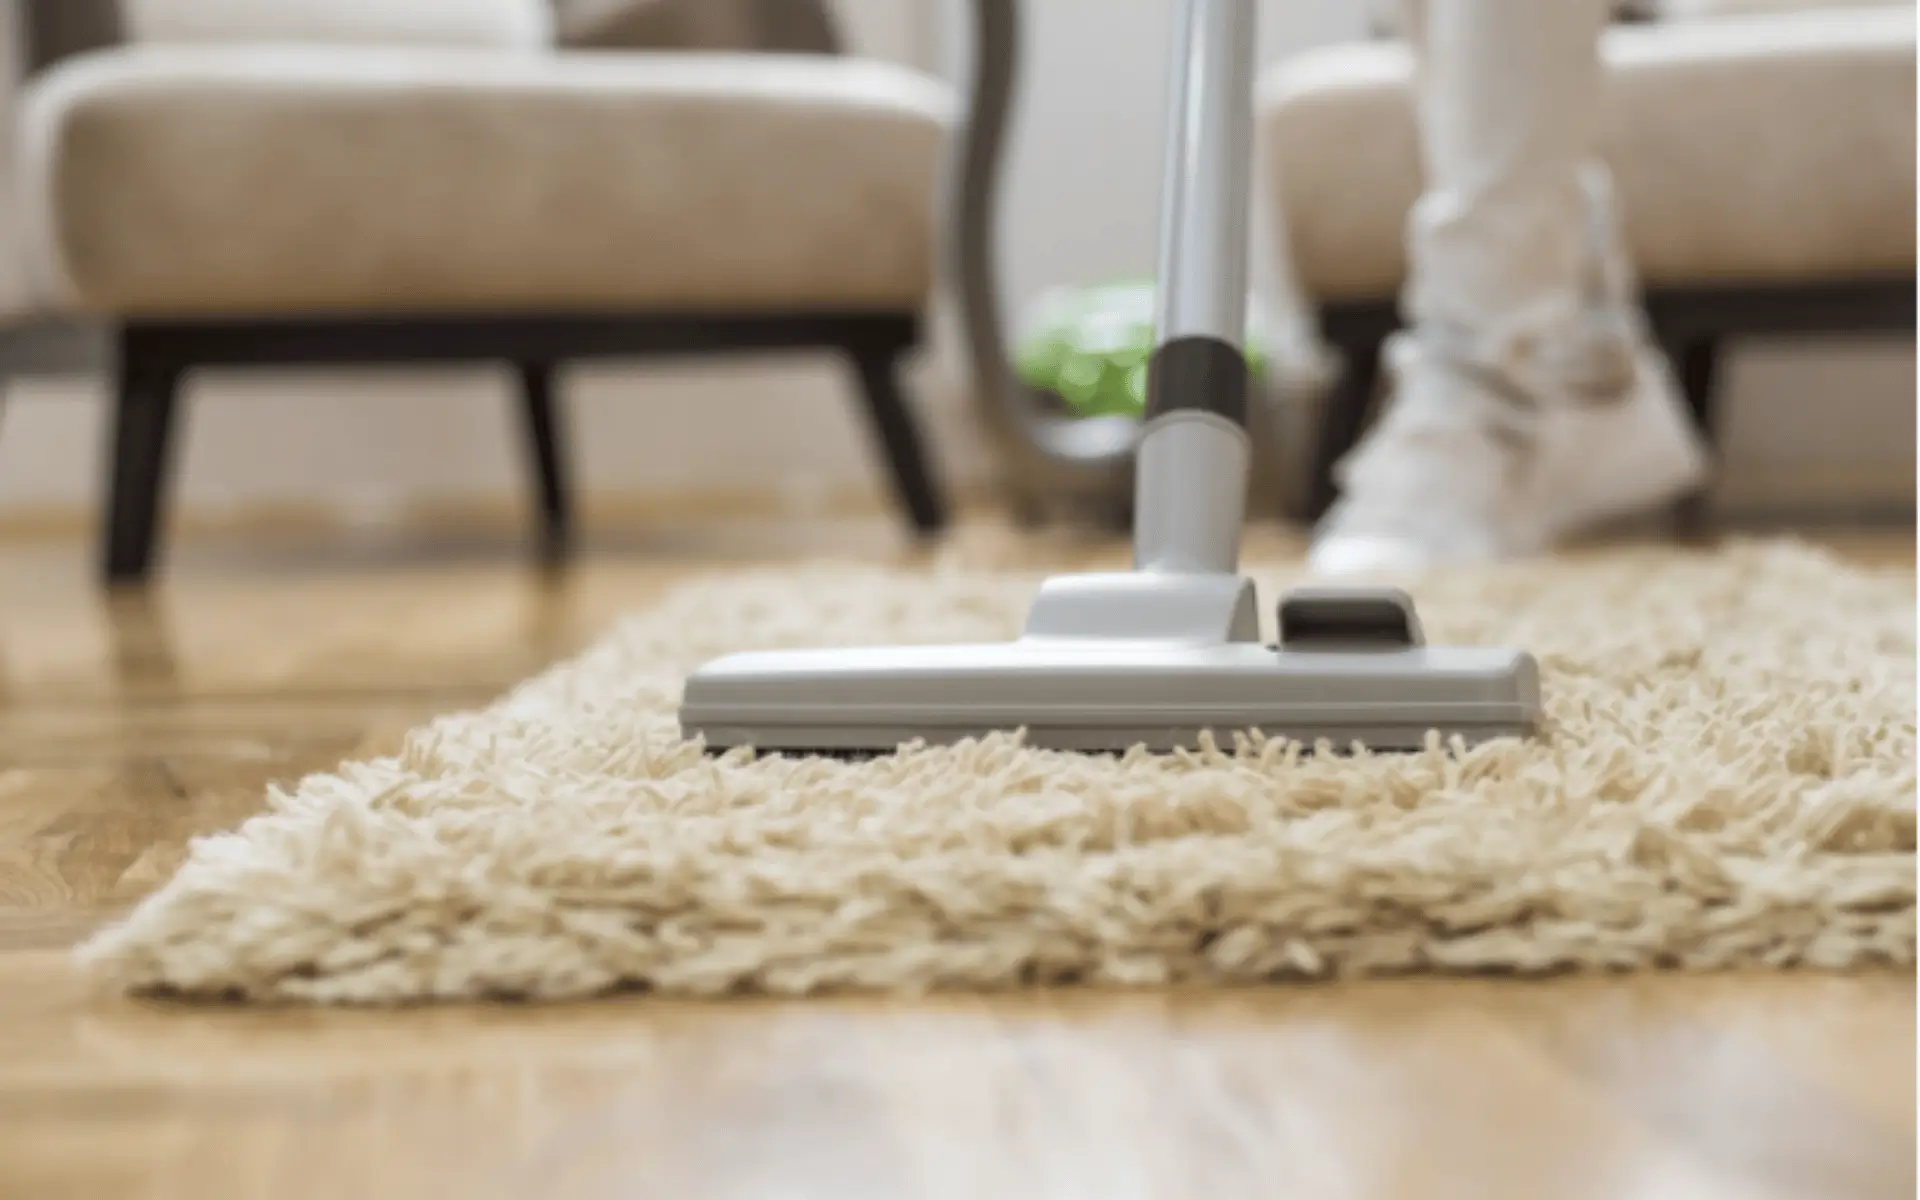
(900, 439)
(141, 464)
(1342, 422)
(1697, 362)
(546, 457)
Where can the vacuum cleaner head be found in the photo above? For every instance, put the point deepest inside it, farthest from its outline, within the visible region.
(1158, 656)
(1112, 662)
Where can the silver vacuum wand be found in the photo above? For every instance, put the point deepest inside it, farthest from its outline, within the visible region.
(1193, 459)
(1170, 653)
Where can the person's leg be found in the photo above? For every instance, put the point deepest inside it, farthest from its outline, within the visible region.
(1507, 99)
(1524, 342)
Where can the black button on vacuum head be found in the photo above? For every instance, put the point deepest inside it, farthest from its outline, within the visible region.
(1333, 618)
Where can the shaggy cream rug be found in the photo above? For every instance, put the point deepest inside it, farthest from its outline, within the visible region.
(1728, 781)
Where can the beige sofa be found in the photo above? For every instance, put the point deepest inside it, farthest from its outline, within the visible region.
(291, 181)
(1763, 152)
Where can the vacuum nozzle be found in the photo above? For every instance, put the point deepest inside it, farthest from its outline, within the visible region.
(1351, 667)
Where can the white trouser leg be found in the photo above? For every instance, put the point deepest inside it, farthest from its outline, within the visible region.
(1501, 245)
(1528, 401)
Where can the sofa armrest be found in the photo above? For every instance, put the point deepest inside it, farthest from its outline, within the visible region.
(503, 24)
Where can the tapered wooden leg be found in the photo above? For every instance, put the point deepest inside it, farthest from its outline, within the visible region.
(1697, 362)
(544, 434)
(1342, 423)
(140, 467)
(900, 440)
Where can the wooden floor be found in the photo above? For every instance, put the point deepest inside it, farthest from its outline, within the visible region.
(127, 727)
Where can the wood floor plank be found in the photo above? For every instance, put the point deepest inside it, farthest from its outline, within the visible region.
(127, 729)
(1386, 1089)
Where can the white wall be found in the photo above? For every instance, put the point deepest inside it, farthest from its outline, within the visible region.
(1083, 194)
(1081, 205)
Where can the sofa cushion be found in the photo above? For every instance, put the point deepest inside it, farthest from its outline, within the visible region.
(499, 23)
(186, 180)
(1763, 148)
(1688, 10)
(1388, 18)
(59, 29)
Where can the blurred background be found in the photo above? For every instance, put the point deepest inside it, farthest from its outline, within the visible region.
(1809, 430)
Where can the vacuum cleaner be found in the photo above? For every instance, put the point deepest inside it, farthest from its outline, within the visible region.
(1170, 652)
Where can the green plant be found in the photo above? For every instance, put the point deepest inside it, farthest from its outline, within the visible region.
(1090, 347)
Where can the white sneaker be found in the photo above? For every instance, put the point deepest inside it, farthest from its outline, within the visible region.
(1470, 465)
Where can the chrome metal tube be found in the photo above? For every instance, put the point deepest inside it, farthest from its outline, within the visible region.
(1194, 455)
